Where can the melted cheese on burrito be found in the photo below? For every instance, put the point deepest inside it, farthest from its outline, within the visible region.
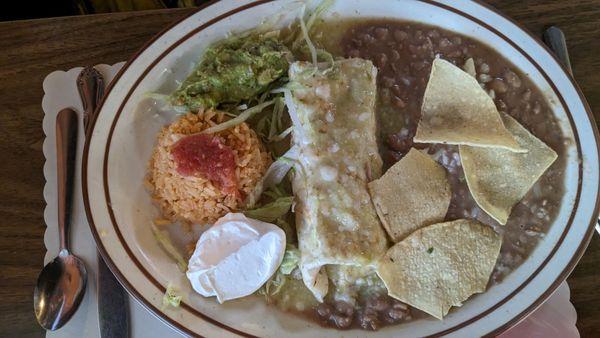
(335, 133)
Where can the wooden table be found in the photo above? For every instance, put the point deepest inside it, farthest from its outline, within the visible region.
(29, 50)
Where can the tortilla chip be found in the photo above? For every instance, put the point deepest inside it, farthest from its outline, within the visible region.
(441, 265)
(413, 193)
(456, 110)
(498, 178)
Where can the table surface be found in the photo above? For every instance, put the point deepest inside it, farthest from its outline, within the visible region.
(31, 49)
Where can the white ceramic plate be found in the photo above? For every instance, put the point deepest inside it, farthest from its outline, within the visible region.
(120, 211)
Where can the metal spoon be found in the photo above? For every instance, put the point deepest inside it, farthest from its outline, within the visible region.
(61, 284)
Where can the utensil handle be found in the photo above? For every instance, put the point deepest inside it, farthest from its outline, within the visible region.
(555, 39)
(66, 148)
(90, 85)
(113, 304)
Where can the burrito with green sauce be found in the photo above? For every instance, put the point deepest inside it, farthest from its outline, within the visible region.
(334, 111)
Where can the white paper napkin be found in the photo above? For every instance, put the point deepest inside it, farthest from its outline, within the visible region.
(60, 92)
(555, 318)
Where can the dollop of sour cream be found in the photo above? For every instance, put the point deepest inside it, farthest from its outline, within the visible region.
(235, 257)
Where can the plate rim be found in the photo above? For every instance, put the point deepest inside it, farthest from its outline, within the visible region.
(561, 277)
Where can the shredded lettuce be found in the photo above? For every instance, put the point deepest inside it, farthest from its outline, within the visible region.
(162, 237)
(318, 12)
(165, 102)
(274, 175)
(268, 25)
(273, 285)
(287, 160)
(329, 57)
(276, 192)
(271, 211)
(309, 44)
(264, 96)
(171, 298)
(289, 102)
(161, 98)
(270, 126)
(291, 260)
(261, 126)
(248, 113)
(282, 135)
(306, 25)
(276, 123)
(290, 231)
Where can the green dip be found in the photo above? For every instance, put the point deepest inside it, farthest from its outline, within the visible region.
(235, 70)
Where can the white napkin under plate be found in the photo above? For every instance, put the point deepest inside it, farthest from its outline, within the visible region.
(60, 92)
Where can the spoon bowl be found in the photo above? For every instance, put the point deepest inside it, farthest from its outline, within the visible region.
(59, 290)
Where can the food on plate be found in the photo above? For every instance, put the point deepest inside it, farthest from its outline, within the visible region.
(413, 193)
(192, 190)
(164, 240)
(441, 265)
(499, 178)
(235, 257)
(300, 148)
(273, 210)
(336, 140)
(469, 67)
(171, 296)
(456, 110)
(237, 69)
(206, 156)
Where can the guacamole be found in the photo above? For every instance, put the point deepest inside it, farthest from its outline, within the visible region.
(236, 70)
